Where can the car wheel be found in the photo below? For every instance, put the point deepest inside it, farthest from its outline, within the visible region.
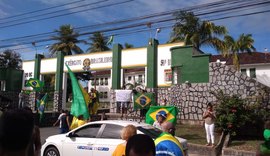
(51, 151)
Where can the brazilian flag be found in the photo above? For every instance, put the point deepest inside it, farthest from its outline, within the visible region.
(169, 111)
(41, 106)
(36, 84)
(78, 106)
(144, 100)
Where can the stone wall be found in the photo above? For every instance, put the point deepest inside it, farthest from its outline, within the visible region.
(13, 96)
(57, 101)
(191, 99)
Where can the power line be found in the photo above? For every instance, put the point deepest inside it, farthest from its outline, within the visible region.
(141, 24)
(58, 11)
(207, 5)
(41, 10)
(50, 17)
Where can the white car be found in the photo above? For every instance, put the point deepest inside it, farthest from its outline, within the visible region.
(98, 138)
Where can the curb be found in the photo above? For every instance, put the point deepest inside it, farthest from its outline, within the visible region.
(209, 151)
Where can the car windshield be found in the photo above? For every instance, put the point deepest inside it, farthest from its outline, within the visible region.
(150, 131)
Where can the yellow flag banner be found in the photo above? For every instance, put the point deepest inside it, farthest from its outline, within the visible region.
(77, 123)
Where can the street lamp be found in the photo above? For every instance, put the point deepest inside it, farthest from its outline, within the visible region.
(157, 31)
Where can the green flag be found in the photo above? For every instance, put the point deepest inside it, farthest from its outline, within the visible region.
(110, 41)
(78, 106)
(41, 106)
(35, 84)
(169, 111)
(143, 100)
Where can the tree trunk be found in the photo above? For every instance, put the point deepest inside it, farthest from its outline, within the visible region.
(224, 141)
(227, 140)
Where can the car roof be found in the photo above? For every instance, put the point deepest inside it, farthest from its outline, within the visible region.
(121, 122)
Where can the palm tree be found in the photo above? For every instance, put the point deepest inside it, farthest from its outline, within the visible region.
(98, 43)
(67, 40)
(233, 47)
(127, 45)
(10, 59)
(192, 30)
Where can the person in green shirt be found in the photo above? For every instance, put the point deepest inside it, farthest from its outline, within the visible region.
(265, 147)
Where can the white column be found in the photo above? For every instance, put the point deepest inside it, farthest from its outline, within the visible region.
(64, 90)
(112, 104)
(145, 77)
(122, 77)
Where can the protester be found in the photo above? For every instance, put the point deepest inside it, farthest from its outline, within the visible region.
(77, 122)
(94, 101)
(140, 145)
(209, 119)
(64, 122)
(35, 142)
(265, 147)
(16, 130)
(166, 143)
(21, 99)
(161, 118)
(126, 133)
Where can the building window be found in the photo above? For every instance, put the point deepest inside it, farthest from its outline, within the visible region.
(97, 81)
(105, 95)
(244, 71)
(129, 78)
(100, 95)
(252, 72)
(175, 75)
(106, 81)
(168, 75)
(2, 85)
(101, 81)
(140, 79)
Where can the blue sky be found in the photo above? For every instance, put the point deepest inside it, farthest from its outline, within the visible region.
(258, 25)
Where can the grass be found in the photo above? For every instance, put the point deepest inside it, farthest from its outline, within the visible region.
(196, 134)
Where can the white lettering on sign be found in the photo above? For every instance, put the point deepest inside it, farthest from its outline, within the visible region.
(164, 62)
(30, 74)
(101, 60)
(74, 62)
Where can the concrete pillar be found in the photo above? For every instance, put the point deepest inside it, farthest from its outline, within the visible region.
(34, 95)
(116, 66)
(152, 56)
(58, 93)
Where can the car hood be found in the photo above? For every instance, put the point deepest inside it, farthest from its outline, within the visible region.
(183, 142)
(56, 137)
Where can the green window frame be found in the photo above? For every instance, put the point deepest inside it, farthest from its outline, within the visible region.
(244, 71)
(252, 72)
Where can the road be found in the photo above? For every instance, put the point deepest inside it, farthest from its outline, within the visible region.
(48, 131)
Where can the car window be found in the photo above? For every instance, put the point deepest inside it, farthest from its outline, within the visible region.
(112, 131)
(89, 131)
(150, 131)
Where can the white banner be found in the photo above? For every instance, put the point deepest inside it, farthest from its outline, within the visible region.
(123, 95)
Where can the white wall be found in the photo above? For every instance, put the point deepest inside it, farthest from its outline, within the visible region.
(134, 57)
(262, 72)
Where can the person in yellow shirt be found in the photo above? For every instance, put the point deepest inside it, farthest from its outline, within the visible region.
(126, 133)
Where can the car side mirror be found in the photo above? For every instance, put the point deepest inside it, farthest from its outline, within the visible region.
(71, 135)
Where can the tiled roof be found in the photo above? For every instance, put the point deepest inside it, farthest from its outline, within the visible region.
(245, 58)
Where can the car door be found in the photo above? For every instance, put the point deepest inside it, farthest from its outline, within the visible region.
(107, 140)
(81, 141)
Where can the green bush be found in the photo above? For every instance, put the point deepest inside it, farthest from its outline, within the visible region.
(231, 112)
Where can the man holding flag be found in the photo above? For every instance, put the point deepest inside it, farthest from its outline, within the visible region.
(79, 108)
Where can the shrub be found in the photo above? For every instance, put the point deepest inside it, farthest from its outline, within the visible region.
(231, 112)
